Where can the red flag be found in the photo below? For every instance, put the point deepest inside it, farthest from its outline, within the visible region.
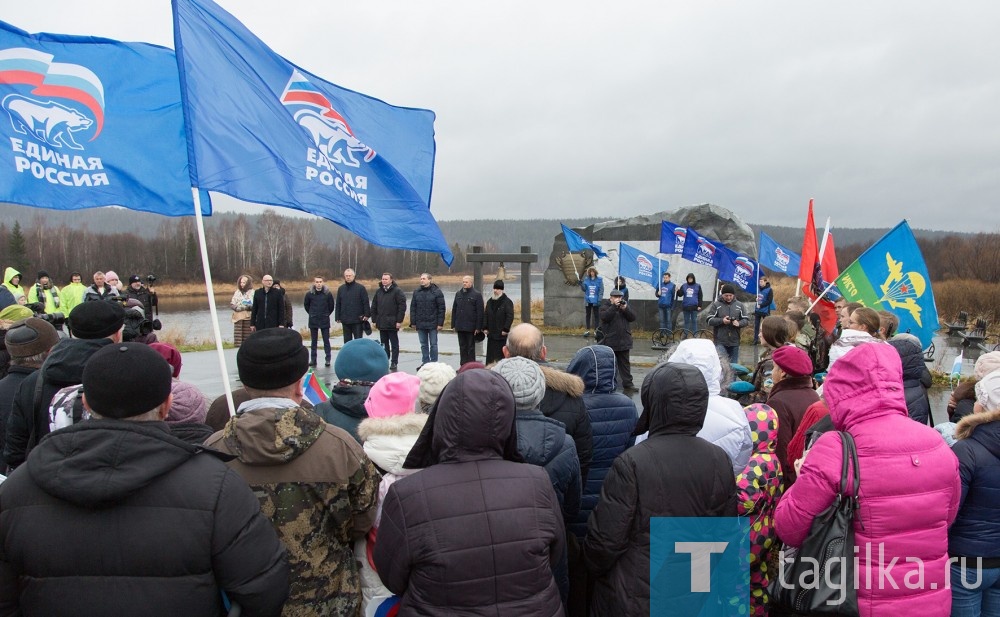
(813, 272)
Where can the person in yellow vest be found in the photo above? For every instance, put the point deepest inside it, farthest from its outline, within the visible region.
(45, 292)
(72, 294)
(12, 281)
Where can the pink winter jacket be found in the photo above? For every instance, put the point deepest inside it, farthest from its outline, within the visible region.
(909, 488)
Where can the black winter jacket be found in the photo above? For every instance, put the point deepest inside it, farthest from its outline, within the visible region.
(543, 441)
(319, 305)
(976, 530)
(143, 295)
(467, 311)
(427, 308)
(612, 419)
(498, 316)
(27, 423)
(474, 533)
(352, 303)
(655, 478)
(8, 390)
(346, 407)
(268, 309)
(617, 326)
(388, 307)
(112, 517)
(916, 379)
(563, 401)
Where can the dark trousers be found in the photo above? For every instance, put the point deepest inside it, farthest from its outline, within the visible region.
(390, 342)
(624, 365)
(353, 331)
(592, 310)
(466, 347)
(757, 318)
(313, 334)
(733, 351)
(494, 349)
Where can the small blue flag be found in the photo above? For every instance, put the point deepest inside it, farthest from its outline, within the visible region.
(672, 238)
(264, 130)
(91, 122)
(776, 257)
(575, 242)
(637, 265)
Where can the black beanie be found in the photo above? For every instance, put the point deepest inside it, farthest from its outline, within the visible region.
(498, 284)
(728, 289)
(41, 274)
(271, 359)
(126, 379)
(96, 319)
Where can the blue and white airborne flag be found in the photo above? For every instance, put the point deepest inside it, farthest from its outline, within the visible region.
(637, 265)
(264, 130)
(90, 122)
(776, 257)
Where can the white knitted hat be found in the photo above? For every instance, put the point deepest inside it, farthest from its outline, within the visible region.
(434, 376)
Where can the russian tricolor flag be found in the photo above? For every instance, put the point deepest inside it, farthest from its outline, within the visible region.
(315, 389)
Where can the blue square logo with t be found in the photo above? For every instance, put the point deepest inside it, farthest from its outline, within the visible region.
(699, 567)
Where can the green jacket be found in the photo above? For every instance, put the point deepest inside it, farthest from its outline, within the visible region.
(53, 302)
(17, 290)
(71, 296)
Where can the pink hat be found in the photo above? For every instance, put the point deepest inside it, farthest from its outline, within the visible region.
(170, 354)
(110, 275)
(792, 360)
(393, 395)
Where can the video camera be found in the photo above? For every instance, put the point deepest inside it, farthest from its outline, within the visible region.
(56, 319)
(150, 279)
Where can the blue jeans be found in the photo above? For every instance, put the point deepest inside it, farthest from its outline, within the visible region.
(666, 318)
(733, 351)
(690, 322)
(984, 600)
(428, 345)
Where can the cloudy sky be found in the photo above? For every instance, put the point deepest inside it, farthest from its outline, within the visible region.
(880, 111)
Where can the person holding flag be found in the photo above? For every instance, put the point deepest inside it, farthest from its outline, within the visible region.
(691, 299)
(765, 298)
(665, 294)
(593, 291)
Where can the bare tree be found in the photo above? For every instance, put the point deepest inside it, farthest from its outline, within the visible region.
(271, 230)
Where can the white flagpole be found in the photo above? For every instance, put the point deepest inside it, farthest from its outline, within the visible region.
(211, 300)
(822, 245)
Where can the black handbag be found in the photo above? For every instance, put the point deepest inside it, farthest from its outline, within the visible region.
(825, 562)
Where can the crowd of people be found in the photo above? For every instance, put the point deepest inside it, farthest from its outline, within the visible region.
(505, 487)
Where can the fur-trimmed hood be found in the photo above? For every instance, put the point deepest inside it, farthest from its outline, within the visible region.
(561, 381)
(388, 440)
(990, 439)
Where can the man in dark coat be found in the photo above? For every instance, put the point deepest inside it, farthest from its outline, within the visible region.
(655, 478)
(268, 306)
(447, 550)
(114, 516)
(388, 310)
(427, 309)
(498, 317)
(28, 342)
(616, 322)
(727, 317)
(352, 309)
(319, 304)
(146, 295)
(467, 319)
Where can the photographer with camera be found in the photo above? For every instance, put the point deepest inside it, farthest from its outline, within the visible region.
(616, 323)
(146, 295)
(100, 290)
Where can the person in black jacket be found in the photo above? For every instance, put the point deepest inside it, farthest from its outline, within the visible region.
(467, 319)
(427, 309)
(319, 304)
(916, 377)
(498, 317)
(657, 477)
(28, 341)
(268, 306)
(388, 311)
(352, 309)
(115, 516)
(146, 295)
(616, 321)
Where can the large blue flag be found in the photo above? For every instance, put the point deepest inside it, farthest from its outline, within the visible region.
(637, 265)
(262, 129)
(776, 257)
(738, 269)
(91, 122)
(575, 242)
(703, 250)
(892, 275)
(672, 238)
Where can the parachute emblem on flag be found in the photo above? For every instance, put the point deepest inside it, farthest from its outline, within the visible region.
(901, 290)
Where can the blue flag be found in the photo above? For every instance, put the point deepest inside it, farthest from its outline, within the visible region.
(672, 238)
(91, 122)
(637, 265)
(892, 275)
(703, 250)
(738, 269)
(261, 129)
(575, 242)
(776, 257)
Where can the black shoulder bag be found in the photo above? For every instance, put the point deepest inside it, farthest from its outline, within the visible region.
(805, 588)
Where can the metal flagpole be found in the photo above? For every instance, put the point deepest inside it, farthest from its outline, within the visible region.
(211, 300)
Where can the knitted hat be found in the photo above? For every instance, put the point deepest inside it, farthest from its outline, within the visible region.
(526, 381)
(30, 337)
(111, 276)
(434, 376)
(41, 274)
(134, 279)
(393, 395)
(988, 391)
(792, 360)
(125, 380)
(272, 359)
(986, 364)
(189, 404)
(728, 289)
(170, 354)
(361, 359)
(15, 312)
(94, 320)
(498, 284)
(469, 366)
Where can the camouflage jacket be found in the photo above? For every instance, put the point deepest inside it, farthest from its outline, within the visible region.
(318, 488)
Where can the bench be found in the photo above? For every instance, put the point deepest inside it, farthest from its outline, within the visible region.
(977, 335)
(959, 325)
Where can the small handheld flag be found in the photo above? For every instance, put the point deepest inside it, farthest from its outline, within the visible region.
(315, 390)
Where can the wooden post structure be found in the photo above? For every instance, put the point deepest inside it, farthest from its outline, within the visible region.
(477, 258)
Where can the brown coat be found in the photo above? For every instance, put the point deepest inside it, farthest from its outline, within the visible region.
(790, 398)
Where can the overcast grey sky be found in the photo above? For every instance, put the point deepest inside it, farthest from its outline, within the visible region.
(879, 110)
